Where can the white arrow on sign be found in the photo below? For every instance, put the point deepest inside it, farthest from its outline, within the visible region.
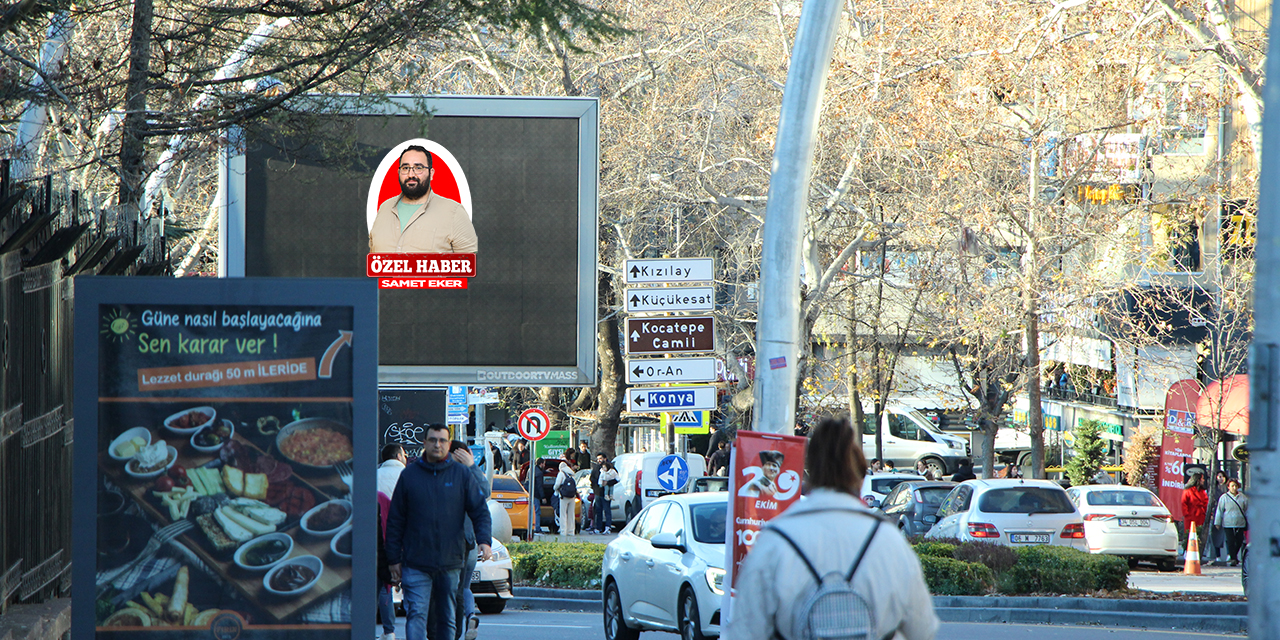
(671, 399)
(654, 370)
(671, 475)
(671, 299)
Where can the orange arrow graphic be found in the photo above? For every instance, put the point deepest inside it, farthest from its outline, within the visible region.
(326, 362)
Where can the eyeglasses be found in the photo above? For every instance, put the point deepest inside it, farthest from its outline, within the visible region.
(414, 168)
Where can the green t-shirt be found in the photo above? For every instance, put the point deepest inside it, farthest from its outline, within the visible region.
(405, 211)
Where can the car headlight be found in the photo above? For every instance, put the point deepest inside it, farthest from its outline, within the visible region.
(956, 445)
(715, 580)
(499, 552)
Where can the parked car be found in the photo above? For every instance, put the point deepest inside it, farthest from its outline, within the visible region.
(638, 481)
(1012, 512)
(910, 436)
(913, 505)
(490, 582)
(1127, 521)
(665, 570)
(876, 486)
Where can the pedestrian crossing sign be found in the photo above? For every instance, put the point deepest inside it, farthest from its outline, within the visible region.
(687, 422)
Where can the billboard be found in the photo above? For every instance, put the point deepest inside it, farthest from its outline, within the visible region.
(498, 286)
(218, 424)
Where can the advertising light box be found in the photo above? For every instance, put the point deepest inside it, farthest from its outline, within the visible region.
(486, 278)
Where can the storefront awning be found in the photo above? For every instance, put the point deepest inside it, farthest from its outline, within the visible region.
(1225, 402)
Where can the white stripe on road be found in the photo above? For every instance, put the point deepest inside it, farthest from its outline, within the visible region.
(540, 626)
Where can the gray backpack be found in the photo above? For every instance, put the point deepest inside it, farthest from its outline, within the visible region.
(833, 610)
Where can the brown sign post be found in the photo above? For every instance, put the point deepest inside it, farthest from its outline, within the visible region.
(671, 335)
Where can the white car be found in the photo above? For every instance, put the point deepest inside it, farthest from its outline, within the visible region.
(665, 570)
(878, 485)
(1012, 512)
(1127, 521)
(490, 582)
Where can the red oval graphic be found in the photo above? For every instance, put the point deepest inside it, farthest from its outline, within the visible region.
(443, 183)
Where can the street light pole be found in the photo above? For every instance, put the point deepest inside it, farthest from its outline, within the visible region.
(1264, 380)
(778, 332)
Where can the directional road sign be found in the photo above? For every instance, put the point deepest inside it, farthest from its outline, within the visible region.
(655, 370)
(686, 422)
(671, 335)
(659, 399)
(533, 424)
(673, 473)
(670, 270)
(671, 299)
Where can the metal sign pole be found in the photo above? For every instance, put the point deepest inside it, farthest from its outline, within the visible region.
(778, 334)
(1264, 369)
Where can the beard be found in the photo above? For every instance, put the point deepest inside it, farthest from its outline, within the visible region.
(418, 189)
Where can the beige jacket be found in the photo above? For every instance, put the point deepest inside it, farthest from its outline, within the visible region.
(440, 225)
(775, 581)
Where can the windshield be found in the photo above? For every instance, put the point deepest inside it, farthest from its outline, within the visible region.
(708, 522)
(933, 495)
(1123, 499)
(1025, 500)
(885, 485)
(507, 483)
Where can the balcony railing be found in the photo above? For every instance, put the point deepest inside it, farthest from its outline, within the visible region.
(1071, 394)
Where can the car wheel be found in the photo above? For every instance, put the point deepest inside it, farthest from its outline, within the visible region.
(936, 466)
(629, 511)
(615, 624)
(1168, 565)
(1133, 563)
(491, 605)
(690, 621)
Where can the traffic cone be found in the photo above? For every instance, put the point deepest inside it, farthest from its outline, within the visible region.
(1193, 554)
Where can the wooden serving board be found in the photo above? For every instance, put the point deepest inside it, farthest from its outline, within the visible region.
(337, 570)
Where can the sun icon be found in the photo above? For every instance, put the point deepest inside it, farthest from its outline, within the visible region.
(117, 326)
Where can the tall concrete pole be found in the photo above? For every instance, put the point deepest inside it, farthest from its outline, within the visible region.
(778, 332)
(1264, 379)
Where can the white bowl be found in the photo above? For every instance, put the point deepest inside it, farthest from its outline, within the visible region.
(140, 432)
(333, 544)
(306, 518)
(240, 553)
(310, 562)
(215, 447)
(130, 467)
(207, 411)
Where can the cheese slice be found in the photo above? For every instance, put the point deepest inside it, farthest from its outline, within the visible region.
(254, 527)
(229, 526)
(255, 485)
(234, 479)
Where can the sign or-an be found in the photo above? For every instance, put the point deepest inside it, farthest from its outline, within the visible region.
(695, 334)
(660, 370)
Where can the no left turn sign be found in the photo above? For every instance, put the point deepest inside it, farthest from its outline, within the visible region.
(533, 424)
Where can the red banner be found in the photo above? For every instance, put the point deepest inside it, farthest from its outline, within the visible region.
(764, 479)
(433, 265)
(1178, 442)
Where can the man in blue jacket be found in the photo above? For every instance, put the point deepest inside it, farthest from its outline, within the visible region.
(426, 539)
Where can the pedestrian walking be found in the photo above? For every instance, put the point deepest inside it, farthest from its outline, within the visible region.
(1194, 503)
(964, 471)
(393, 461)
(1233, 517)
(924, 470)
(426, 539)
(876, 465)
(719, 463)
(889, 467)
(1217, 538)
(583, 456)
(831, 532)
(604, 499)
(566, 491)
(464, 600)
(520, 456)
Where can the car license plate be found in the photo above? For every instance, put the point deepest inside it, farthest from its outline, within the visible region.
(475, 576)
(508, 505)
(1029, 538)
(654, 493)
(1134, 522)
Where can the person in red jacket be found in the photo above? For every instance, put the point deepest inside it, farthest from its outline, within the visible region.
(1195, 501)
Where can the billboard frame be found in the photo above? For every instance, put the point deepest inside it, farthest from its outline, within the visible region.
(586, 111)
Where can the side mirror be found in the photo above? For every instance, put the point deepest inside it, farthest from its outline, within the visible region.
(667, 541)
(872, 501)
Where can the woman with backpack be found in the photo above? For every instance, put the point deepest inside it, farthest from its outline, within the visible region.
(1233, 516)
(871, 578)
(567, 491)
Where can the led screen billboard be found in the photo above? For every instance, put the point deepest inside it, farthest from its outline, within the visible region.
(515, 177)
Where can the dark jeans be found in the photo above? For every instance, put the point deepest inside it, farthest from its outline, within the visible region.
(386, 607)
(1235, 540)
(435, 622)
(421, 590)
(604, 513)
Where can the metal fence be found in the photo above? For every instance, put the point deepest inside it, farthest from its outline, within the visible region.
(46, 237)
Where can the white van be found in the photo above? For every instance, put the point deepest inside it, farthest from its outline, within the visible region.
(910, 436)
(638, 481)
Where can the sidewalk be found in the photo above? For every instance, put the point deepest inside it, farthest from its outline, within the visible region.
(1216, 580)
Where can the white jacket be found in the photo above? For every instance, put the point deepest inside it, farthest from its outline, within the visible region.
(388, 476)
(775, 581)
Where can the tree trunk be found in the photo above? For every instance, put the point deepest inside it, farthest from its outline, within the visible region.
(1031, 322)
(989, 428)
(612, 376)
(133, 131)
